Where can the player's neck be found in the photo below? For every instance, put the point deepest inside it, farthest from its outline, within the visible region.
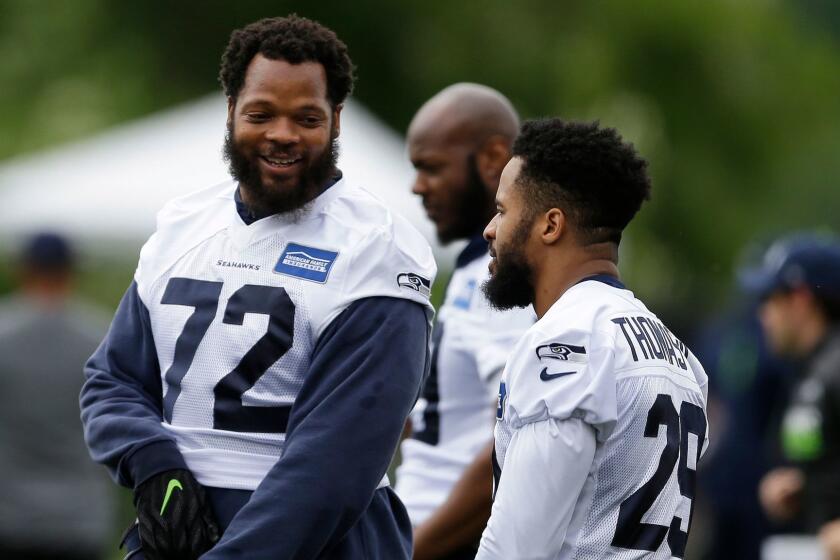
(556, 278)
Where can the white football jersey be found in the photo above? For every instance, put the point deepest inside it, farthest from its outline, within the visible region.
(454, 418)
(237, 309)
(601, 365)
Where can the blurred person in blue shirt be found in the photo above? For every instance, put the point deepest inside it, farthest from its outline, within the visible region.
(798, 284)
(747, 392)
(56, 503)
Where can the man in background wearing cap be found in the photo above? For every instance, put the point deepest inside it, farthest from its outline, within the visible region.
(55, 502)
(799, 285)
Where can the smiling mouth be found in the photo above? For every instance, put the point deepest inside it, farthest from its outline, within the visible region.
(281, 162)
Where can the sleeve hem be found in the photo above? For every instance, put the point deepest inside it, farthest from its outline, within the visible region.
(154, 458)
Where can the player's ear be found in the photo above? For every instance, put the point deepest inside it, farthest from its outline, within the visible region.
(337, 118)
(491, 159)
(554, 226)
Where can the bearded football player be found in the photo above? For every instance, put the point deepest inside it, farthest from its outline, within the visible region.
(259, 370)
(601, 415)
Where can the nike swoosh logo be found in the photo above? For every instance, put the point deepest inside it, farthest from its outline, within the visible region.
(173, 484)
(545, 376)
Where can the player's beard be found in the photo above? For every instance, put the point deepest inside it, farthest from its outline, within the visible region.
(471, 208)
(264, 200)
(512, 282)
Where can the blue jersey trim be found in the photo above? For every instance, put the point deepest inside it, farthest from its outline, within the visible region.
(476, 247)
(606, 279)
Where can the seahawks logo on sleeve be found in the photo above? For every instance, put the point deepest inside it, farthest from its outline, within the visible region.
(560, 351)
(414, 282)
(563, 352)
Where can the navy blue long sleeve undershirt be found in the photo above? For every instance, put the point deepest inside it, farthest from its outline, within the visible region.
(121, 400)
(363, 380)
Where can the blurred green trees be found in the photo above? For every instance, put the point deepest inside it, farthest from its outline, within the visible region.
(734, 103)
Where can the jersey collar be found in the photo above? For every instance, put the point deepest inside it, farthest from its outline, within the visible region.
(249, 218)
(606, 279)
(476, 247)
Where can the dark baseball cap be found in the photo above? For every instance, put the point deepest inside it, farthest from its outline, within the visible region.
(47, 250)
(799, 260)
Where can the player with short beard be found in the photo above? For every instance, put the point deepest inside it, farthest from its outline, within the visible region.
(602, 410)
(512, 284)
(259, 370)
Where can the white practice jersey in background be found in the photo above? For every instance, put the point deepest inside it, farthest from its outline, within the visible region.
(237, 309)
(600, 356)
(454, 418)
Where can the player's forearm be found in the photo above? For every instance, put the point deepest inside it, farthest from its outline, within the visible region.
(459, 521)
(121, 399)
(528, 519)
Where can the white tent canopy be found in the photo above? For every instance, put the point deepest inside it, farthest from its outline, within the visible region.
(105, 191)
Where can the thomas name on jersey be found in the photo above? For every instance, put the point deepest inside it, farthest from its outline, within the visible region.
(653, 340)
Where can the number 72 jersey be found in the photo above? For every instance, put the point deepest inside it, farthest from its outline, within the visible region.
(236, 311)
(599, 355)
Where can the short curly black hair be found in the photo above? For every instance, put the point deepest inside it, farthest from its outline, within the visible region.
(293, 39)
(587, 171)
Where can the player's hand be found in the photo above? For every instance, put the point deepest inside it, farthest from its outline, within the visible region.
(830, 539)
(175, 517)
(779, 493)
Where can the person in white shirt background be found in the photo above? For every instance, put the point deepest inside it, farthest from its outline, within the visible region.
(459, 142)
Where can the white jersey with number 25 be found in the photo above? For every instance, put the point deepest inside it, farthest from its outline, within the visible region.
(600, 425)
